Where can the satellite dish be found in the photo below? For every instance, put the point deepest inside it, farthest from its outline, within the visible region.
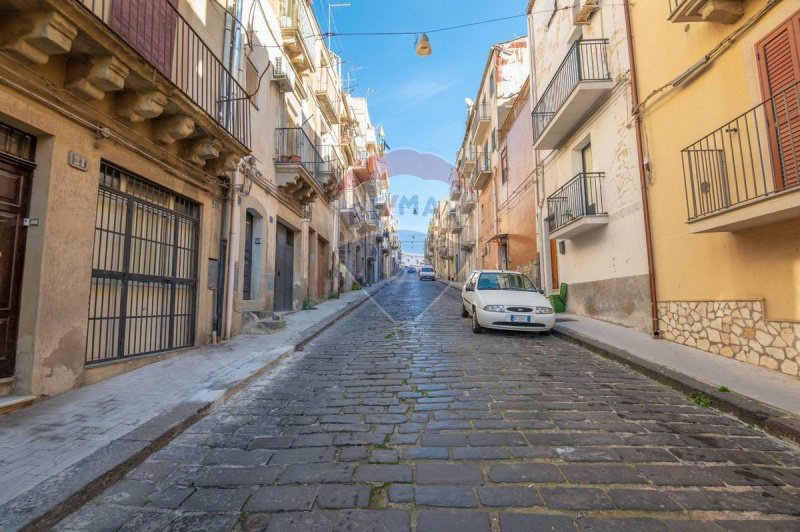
(469, 102)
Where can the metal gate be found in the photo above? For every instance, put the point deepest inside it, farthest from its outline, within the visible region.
(144, 269)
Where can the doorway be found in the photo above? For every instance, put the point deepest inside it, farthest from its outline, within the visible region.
(247, 280)
(284, 268)
(554, 263)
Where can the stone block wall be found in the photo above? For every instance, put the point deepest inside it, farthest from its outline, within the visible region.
(734, 329)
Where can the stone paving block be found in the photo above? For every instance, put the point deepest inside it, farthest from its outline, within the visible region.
(383, 473)
(480, 453)
(316, 474)
(313, 440)
(302, 522)
(444, 521)
(644, 454)
(602, 474)
(525, 473)
(128, 493)
(221, 476)
(641, 499)
(272, 442)
(445, 496)
(237, 457)
(533, 522)
(401, 493)
(359, 438)
(384, 456)
(519, 497)
(425, 453)
(488, 439)
(205, 522)
(343, 496)
(679, 475)
(305, 455)
(745, 476)
(352, 454)
(433, 473)
(374, 521)
(635, 524)
(576, 499)
(281, 499)
(170, 497)
(152, 471)
(444, 440)
(96, 518)
(148, 521)
(216, 500)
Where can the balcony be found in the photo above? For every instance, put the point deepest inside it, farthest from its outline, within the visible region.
(468, 201)
(468, 241)
(746, 173)
(444, 253)
(720, 11)
(582, 80)
(371, 221)
(347, 207)
(382, 204)
(330, 170)
(283, 74)
(483, 120)
(298, 165)
(576, 207)
(482, 172)
(455, 190)
(467, 159)
(329, 95)
(299, 36)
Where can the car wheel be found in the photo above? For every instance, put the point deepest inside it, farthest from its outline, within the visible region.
(464, 313)
(476, 327)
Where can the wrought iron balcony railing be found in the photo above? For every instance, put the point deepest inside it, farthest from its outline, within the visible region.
(753, 157)
(168, 42)
(295, 17)
(585, 61)
(292, 146)
(581, 196)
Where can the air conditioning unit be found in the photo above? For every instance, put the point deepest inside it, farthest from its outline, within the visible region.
(283, 74)
(582, 11)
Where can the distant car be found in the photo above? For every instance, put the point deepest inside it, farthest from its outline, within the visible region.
(411, 269)
(427, 273)
(496, 299)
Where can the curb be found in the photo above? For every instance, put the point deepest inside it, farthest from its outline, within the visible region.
(772, 420)
(40, 508)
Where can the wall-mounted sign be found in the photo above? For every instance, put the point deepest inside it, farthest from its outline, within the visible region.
(76, 160)
(258, 241)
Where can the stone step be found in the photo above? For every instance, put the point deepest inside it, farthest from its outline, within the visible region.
(6, 385)
(10, 403)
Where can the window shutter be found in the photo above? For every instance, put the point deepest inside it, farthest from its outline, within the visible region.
(779, 71)
(149, 27)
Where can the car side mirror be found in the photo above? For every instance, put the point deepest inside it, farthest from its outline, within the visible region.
(470, 288)
(541, 291)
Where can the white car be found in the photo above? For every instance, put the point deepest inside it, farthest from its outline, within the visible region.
(427, 272)
(497, 299)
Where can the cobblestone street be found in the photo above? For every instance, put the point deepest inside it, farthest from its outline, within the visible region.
(398, 418)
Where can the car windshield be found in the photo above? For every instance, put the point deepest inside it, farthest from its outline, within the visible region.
(505, 281)
(427, 269)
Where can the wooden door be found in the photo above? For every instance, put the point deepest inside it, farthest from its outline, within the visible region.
(14, 196)
(321, 268)
(554, 263)
(247, 280)
(284, 268)
(779, 70)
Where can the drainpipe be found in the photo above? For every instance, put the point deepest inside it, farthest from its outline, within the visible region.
(642, 173)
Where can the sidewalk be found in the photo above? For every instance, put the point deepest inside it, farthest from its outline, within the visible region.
(758, 395)
(53, 450)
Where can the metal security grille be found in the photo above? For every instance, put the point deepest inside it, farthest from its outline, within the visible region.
(144, 269)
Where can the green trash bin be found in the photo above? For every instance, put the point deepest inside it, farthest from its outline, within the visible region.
(559, 300)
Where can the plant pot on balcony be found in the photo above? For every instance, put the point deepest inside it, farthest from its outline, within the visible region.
(295, 159)
(283, 158)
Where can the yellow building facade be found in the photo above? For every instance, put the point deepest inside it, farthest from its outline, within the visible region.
(718, 100)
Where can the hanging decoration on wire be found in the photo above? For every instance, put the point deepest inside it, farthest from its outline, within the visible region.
(423, 45)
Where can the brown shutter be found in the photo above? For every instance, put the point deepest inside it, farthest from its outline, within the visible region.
(149, 27)
(779, 70)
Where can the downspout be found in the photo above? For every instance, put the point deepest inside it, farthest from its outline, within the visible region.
(642, 173)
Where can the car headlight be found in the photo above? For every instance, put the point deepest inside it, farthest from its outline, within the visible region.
(542, 310)
(494, 308)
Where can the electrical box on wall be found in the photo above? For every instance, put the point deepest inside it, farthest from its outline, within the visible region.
(562, 247)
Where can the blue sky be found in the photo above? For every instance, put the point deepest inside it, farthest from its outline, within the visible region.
(419, 100)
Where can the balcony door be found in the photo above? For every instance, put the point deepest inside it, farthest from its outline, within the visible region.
(779, 70)
(149, 27)
(588, 185)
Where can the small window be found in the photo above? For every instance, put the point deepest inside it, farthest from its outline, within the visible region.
(491, 86)
(504, 166)
(494, 139)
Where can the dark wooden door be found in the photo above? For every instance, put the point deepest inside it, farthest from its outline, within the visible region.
(247, 279)
(14, 196)
(779, 69)
(321, 268)
(149, 27)
(284, 268)
(554, 263)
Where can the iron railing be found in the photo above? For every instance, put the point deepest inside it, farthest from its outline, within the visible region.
(585, 61)
(165, 39)
(754, 156)
(467, 155)
(482, 111)
(674, 5)
(295, 16)
(292, 146)
(455, 189)
(580, 196)
(331, 161)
